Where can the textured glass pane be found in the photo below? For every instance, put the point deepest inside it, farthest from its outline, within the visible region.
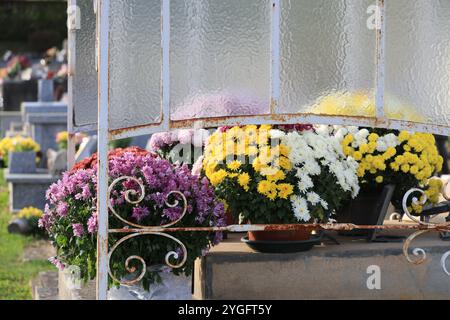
(220, 57)
(85, 77)
(328, 57)
(135, 62)
(418, 60)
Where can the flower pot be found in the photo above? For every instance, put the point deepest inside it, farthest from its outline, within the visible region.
(282, 235)
(368, 208)
(20, 226)
(22, 162)
(281, 241)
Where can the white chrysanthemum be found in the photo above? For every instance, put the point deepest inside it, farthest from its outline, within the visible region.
(324, 204)
(276, 134)
(305, 183)
(381, 145)
(391, 140)
(310, 153)
(313, 198)
(323, 130)
(352, 130)
(312, 167)
(300, 208)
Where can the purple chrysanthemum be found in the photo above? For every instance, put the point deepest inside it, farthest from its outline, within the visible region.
(78, 230)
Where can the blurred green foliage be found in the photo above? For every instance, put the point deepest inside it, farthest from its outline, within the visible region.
(38, 25)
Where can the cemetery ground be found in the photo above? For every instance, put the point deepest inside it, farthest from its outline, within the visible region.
(15, 272)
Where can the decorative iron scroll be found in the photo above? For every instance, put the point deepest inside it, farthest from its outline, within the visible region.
(420, 254)
(133, 230)
(145, 230)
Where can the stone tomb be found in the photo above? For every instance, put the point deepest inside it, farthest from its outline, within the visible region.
(347, 271)
(27, 190)
(45, 120)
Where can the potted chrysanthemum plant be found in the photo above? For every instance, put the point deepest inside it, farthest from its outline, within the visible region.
(19, 153)
(398, 160)
(184, 146)
(71, 215)
(284, 175)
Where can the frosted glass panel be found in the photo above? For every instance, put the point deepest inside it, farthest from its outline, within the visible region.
(85, 77)
(328, 57)
(220, 58)
(418, 60)
(135, 62)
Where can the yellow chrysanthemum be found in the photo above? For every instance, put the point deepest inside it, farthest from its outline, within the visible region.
(364, 148)
(30, 212)
(403, 136)
(284, 150)
(234, 165)
(285, 190)
(279, 175)
(285, 163)
(264, 187)
(257, 165)
(244, 180)
(357, 155)
(218, 177)
(373, 137)
(62, 136)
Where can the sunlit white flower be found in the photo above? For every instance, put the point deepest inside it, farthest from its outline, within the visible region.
(313, 198)
(276, 134)
(300, 208)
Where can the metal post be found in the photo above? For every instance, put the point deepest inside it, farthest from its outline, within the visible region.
(102, 161)
(275, 55)
(71, 56)
(165, 74)
(380, 61)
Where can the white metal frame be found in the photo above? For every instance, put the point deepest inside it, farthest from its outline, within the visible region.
(104, 133)
(103, 139)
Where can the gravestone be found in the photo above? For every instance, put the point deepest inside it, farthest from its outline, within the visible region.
(6, 119)
(28, 190)
(232, 270)
(45, 90)
(45, 120)
(15, 92)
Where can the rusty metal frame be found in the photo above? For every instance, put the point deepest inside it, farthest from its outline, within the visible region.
(103, 140)
(72, 127)
(105, 133)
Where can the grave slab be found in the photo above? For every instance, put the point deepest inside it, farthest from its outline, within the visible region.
(234, 271)
(28, 190)
(6, 118)
(45, 120)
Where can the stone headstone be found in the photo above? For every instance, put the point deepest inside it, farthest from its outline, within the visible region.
(6, 118)
(45, 90)
(28, 190)
(45, 120)
(15, 92)
(22, 162)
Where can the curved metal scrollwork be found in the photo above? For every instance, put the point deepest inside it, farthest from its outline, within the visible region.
(414, 201)
(133, 193)
(444, 262)
(420, 254)
(140, 276)
(146, 230)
